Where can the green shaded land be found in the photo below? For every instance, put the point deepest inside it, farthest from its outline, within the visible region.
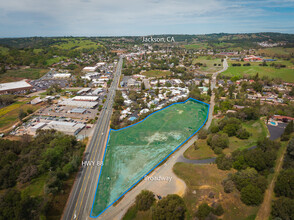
(134, 151)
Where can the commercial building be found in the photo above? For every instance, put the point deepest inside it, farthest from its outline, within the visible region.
(85, 98)
(69, 128)
(84, 91)
(78, 110)
(15, 87)
(79, 104)
(90, 69)
(61, 75)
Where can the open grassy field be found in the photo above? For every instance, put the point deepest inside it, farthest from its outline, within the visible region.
(77, 44)
(55, 60)
(256, 128)
(196, 46)
(156, 73)
(286, 74)
(203, 179)
(209, 64)
(9, 114)
(275, 51)
(203, 151)
(14, 75)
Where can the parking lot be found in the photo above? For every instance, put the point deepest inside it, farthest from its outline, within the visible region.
(66, 112)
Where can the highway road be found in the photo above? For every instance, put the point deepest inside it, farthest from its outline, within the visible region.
(80, 200)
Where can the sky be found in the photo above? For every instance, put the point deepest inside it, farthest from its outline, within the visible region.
(25, 18)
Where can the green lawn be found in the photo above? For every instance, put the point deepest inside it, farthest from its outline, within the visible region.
(209, 62)
(157, 73)
(203, 179)
(14, 75)
(286, 74)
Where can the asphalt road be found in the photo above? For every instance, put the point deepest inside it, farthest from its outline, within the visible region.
(80, 201)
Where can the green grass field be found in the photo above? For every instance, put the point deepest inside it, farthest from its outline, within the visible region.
(286, 74)
(276, 51)
(203, 179)
(77, 44)
(209, 62)
(196, 46)
(156, 73)
(55, 60)
(14, 75)
(9, 114)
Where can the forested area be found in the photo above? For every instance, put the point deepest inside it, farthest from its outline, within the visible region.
(283, 205)
(50, 154)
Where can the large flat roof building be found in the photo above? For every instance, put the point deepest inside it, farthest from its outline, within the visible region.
(69, 128)
(85, 98)
(15, 87)
(79, 104)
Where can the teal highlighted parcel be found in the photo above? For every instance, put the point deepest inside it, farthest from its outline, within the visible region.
(134, 151)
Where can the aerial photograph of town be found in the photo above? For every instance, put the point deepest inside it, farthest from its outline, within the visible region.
(147, 110)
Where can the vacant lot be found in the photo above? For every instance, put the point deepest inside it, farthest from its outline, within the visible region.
(15, 75)
(156, 73)
(203, 179)
(77, 44)
(208, 64)
(9, 114)
(286, 74)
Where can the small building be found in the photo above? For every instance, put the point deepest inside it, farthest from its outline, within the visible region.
(84, 91)
(78, 110)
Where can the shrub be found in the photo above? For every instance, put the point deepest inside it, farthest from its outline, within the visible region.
(251, 195)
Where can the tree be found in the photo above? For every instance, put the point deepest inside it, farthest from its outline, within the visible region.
(285, 184)
(283, 208)
(251, 195)
(171, 207)
(218, 210)
(203, 211)
(224, 162)
(242, 133)
(202, 134)
(145, 200)
(228, 185)
(21, 114)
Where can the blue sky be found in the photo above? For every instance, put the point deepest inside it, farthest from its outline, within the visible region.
(22, 18)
